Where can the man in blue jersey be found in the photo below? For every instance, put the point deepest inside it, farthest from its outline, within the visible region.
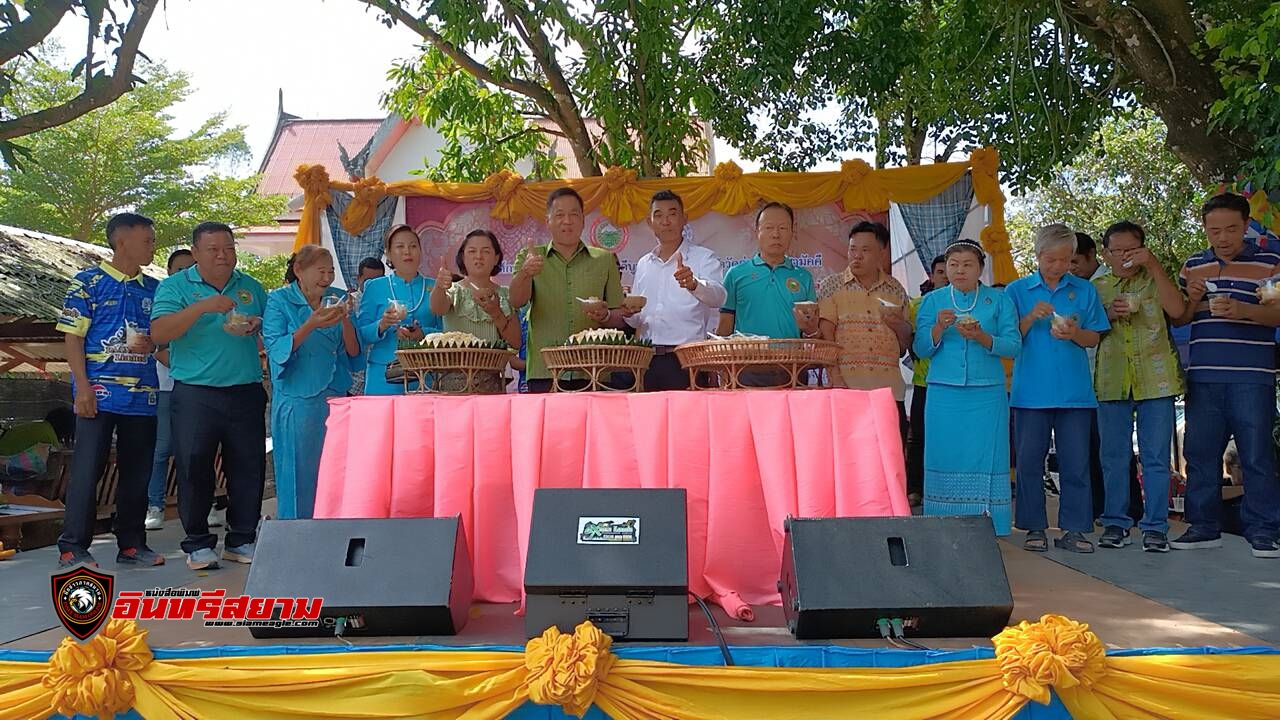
(107, 319)
(211, 315)
(1230, 379)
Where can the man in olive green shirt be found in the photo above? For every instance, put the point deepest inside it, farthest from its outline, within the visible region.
(551, 278)
(1137, 372)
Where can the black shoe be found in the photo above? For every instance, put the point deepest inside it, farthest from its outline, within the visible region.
(1153, 541)
(1114, 537)
(1195, 539)
(1265, 548)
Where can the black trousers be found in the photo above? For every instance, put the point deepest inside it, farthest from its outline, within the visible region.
(543, 385)
(666, 373)
(135, 437)
(915, 442)
(204, 420)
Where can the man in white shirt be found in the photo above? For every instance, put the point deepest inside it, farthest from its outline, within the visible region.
(684, 287)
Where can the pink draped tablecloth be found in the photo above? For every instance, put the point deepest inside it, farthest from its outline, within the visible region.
(747, 460)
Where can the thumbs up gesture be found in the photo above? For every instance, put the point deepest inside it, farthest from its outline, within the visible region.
(532, 262)
(444, 278)
(684, 276)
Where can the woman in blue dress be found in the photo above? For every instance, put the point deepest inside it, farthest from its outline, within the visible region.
(965, 329)
(394, 307)
(310, 343)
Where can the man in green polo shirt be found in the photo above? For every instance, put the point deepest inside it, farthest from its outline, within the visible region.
(210, 316)
(551, 278)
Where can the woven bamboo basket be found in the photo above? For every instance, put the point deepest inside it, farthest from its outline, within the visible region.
(598, 362)
(770, 363)
(471, 364)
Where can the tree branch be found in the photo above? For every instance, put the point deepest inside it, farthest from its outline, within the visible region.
(476, 68)
(102, 91)
(42, 18)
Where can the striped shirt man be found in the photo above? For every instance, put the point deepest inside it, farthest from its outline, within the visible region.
(1223, 350)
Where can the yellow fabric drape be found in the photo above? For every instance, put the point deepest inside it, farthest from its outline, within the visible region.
(624, 198)
(116, 670)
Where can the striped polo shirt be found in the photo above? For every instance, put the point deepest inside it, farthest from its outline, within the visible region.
(1231, 351)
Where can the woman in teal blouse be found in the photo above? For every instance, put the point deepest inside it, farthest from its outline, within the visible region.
(964, 330)
(394, 308)
(310, 343)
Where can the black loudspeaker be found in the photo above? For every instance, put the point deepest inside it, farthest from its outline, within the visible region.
(941, 576)
(403, 576)
(618, 558)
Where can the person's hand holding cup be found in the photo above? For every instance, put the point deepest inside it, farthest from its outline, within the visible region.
(633, 304)
(1269, 291)
(1042, 310)
(1223, 306)
(806, 314)
(1063, 327)
(969, 327)
(137, 340)
(392, 315)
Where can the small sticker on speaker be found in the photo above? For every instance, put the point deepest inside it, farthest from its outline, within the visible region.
(608, 531)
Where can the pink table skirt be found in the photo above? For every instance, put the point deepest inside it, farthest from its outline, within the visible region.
(747, 460)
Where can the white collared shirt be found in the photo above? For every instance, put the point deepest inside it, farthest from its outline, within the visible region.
(673, 315)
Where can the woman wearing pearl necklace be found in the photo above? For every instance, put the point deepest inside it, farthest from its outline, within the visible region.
(394, 308)
(965, 329)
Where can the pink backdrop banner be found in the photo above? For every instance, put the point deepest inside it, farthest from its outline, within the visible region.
(821, 242)
(746, 460)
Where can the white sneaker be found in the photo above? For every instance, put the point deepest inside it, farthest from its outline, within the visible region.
(155, 518)
(213, 518)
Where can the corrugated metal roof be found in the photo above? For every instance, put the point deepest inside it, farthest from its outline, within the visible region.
(35, 270)
(314, 142)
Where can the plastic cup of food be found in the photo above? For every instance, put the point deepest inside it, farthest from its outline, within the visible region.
(331, 301)
(1061, 322)
(398, 309)
(593, 304)
(1218, 304)
(237, 323)
(132, 334)
(966, 320)
(1132, 301)
(806, 308)
(1269, 291)
(634, 303)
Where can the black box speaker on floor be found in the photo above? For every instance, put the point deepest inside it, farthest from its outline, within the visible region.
(616, 557)
(942, 576)
(402, 576)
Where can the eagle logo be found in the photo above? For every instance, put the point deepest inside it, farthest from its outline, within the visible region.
(82, 599)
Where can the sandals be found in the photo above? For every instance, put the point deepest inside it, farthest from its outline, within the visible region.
(1036, 541)
(1074, 542)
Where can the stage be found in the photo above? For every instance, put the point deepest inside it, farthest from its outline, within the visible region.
(1212, 599)
(1119, 633)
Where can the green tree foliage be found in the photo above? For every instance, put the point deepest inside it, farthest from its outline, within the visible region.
(1125, 173)
(1248, 60)
(106, 66)
(267, 270)
(612, 77)
(484, 129)
(126, 156)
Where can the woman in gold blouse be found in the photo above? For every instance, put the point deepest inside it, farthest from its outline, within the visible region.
(474, 303)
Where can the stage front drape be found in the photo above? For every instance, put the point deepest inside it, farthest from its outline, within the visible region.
(623, 197)
(746, 459)
(577, 673)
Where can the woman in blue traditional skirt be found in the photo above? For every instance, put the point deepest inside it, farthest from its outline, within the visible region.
(965, 329)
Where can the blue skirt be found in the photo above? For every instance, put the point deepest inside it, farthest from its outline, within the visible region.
(966, 453)
(297, 434)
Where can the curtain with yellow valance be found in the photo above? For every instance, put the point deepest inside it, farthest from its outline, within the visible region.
(624, 198)
(116, 671)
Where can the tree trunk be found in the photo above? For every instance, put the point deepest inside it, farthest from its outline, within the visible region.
(1152, 41)
(913, 136)
(882, 137)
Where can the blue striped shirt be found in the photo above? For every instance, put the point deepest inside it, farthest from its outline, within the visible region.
(1231, 351)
